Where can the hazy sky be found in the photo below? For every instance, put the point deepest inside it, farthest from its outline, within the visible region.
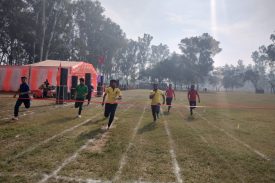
(240, 25)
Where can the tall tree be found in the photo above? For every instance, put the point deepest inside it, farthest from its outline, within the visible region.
(199, 51)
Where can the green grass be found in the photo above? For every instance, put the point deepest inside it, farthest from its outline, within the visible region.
(209, 147)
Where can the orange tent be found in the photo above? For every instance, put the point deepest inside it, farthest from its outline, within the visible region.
(37, 73)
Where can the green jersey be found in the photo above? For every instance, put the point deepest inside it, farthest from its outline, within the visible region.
(82, 91)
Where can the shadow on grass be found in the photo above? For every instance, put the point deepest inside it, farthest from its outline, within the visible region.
(89, 135)
(95, 121)
(62, 120)
(190, 118)
(147, 128)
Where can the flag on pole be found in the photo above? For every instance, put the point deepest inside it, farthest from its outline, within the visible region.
(101, 60)
(58, 76)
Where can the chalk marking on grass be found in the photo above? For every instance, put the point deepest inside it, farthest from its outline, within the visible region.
(67, 161)
(80, 180)
(74, 156)
(52, 138)
(123, 160)
(176, 167)
(25, 113)
(236, 139)
(217, 153)
(203, 139)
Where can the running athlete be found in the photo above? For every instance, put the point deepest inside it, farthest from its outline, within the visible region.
(192, 96)
(155, 96)
(170, 94)
(81, 92)
(113, 94)
(90, 93)
(24, 97)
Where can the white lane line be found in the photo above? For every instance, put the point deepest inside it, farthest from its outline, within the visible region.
(68, 160)
(69, 179)
(216, 152)
(262, 155)
(79, 180)
(74, 156)
(52, 138)
(176, 167)
(71, 158)
(55, 136)
(123, 161)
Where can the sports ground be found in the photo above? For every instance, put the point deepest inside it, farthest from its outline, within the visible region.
(230, 138)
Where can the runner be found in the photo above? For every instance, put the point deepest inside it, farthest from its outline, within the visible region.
(113, 94)
(81, 92)
(170, 94)
(90, 93)
(24, 97)
(155, 96)
(192, 96)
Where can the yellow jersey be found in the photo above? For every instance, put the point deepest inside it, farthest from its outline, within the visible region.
(112, 94)
(157, 99)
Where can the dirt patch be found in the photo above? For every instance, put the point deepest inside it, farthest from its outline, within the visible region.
(99, 144)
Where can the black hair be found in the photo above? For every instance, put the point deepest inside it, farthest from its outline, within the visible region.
(113, 81)
(81, 79)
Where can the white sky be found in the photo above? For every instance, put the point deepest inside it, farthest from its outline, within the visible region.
(240, 25)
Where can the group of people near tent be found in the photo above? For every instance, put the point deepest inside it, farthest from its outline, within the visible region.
(113, 95)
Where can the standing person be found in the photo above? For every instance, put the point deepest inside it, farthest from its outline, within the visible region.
(81, 92)
(45, 88)
(90, 92)
(24, 97)
(192, 96)
(170, 94)
(155, 96)
(113, 94)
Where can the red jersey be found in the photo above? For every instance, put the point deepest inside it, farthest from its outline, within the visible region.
(170, 93)
(192, 95)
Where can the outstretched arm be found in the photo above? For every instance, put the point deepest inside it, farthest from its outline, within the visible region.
(163, 97)
(103, 101)
(152, 95)
(198, 97)
(16, 93)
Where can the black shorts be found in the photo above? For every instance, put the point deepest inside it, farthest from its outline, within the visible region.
(89, 96)
(192, 104)
(79, 102)
(169, 101)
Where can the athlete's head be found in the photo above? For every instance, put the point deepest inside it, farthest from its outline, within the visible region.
(192, 87)
(170, 86)
(81, 81)
(155, 86)
(23, 79)
(113, 83)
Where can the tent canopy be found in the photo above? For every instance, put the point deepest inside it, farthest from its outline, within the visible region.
(37, 73)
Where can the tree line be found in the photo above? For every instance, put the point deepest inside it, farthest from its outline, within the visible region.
(36, 30)
(261, 73)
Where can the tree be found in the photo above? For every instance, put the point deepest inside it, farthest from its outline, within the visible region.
(271, 49)
(158, 53)
(199, 51)
(232, 77)
(215, 78)
(143, 51)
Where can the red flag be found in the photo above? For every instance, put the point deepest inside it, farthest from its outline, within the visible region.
(58, 76)
(101, 60)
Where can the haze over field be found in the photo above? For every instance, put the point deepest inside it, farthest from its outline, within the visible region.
(240, 26)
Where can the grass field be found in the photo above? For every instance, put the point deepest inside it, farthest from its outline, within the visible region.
(230, 139)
